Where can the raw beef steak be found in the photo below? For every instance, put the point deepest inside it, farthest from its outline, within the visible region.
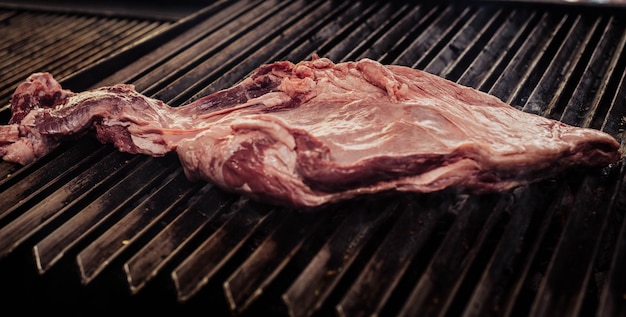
(314, 132)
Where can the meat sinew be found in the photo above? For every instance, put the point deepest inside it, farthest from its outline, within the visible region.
(309, 133)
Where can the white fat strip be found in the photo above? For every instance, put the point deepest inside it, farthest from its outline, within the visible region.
(271, 99)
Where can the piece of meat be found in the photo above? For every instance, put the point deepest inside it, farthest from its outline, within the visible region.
(315, 132)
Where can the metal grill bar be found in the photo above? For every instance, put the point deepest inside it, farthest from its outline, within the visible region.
(391, 261)
(29, 24)
(247, 55)
(202, 265)
(331, 264)
(438, 284)
(20, 189)
(207, 204)
(560, 293)
(251, 279)
(48, 208)
(112, 201)
(527, 56)
(610, 301)
(211, 19)
(61, 43)
(174, 190)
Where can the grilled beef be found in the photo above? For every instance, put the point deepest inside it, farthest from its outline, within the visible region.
(309, 133)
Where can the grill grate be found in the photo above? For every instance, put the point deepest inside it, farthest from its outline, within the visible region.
(130, 231)
(61, 43)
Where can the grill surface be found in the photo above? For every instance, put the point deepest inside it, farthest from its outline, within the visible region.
(61, 43)
(89, 229)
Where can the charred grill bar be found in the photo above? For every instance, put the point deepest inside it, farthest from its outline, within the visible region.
(88, 228)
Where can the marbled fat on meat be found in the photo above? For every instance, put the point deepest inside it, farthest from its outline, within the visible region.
(315, 132)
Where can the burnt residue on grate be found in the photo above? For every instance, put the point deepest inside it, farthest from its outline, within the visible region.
(116, 229)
